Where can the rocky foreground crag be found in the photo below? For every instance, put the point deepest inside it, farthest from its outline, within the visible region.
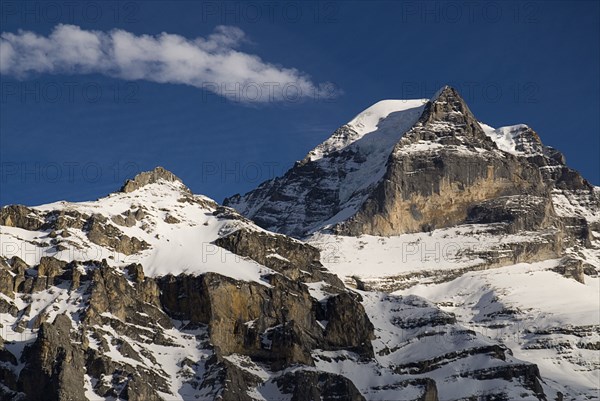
(153, 293)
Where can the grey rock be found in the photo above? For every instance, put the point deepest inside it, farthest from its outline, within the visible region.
(170, 219)
(226, 305)
(294, 259)
(50, 266)
(6, 282)
(150, 177)
(430, 189)
(111, 292)
(102, 233)
(20, 216)
(305, 385)
(283, 329)
(54, 368)
(571, 267)
(519, 212)
(348, 326)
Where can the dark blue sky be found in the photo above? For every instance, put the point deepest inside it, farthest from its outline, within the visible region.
(79, 136)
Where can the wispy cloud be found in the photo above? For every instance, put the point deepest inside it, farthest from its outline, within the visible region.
(214, 63)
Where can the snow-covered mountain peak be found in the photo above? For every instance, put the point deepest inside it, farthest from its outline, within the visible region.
(335, 179)
(156, 176)
(379, 127)
(379, 172)
(517, 139)
(343, 170)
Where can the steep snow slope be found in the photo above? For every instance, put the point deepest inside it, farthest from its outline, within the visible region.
(399, 116)
(512, 305)
(334, 179)
(534, 309)
(516, 139)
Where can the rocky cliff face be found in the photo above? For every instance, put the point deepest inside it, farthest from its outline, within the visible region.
(154, 293)
(441, 168)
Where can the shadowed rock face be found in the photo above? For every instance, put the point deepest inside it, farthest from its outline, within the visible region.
(348, 326)
(284, 332)
(306, 385)
(284, 327)
(54, 370)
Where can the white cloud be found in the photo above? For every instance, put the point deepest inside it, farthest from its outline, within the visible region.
(213, 63)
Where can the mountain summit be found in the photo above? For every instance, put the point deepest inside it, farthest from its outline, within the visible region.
(157, 175)
(419, 197)
(406, 166)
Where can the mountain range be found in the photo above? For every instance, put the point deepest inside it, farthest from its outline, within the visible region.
(416, 254)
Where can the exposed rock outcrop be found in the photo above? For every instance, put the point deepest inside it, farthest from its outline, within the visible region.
(102, 233)
(54, 366)
(20, 216)
(150, 177)
(293, 258)
(308, 385)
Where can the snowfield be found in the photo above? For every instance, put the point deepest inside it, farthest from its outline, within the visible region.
(186, 247)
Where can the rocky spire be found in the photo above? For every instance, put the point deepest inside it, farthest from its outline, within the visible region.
(449, 121)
